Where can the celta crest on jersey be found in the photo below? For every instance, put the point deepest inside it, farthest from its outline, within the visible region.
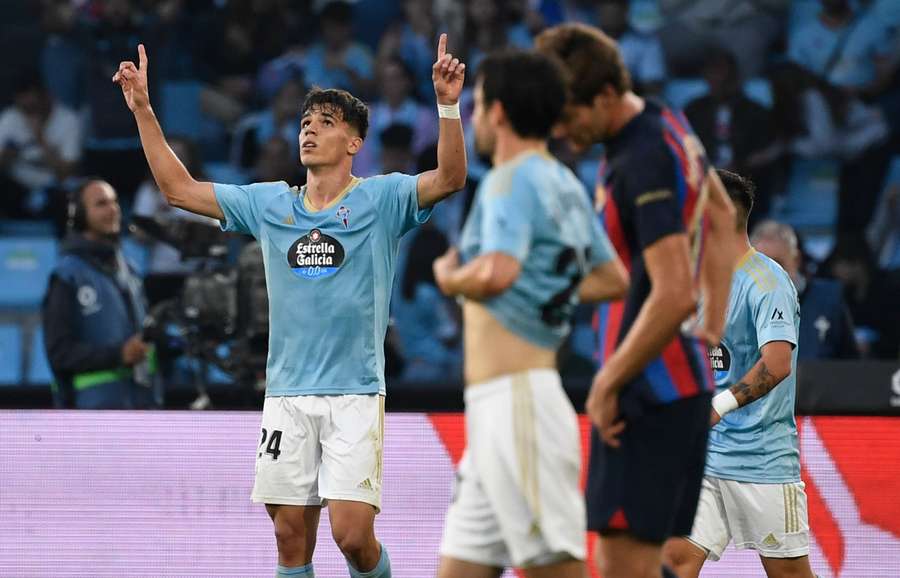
(343, 215)
(315, 255)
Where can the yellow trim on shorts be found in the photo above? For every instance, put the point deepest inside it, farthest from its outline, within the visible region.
(526, 441)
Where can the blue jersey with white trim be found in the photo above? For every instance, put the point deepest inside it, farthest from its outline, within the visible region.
(535, 209)
(758, 442)
(329, 275)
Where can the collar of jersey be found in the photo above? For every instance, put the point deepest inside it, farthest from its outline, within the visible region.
(750, 252)
(353, 182)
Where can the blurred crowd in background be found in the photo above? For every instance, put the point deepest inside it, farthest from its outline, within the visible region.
(802, 96)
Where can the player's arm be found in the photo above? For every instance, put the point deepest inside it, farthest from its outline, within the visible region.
(718, 260)
(772, 368)
(481, 278)
(606, 282)
(672, 299)
(448, 75)
(172, 178)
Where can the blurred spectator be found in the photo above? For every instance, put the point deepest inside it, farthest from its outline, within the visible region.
(737, 133)
(93, 313)
(396, 106)
(413, 41)
(62, 56)
(747, 27)
(424, 322)
(396, 150)
(484, 32)
(871, 295)
(150, 202)
(276, 162)
(282, 118)
(336, 61)
(642, 52)
(884, 233)
(826, 329)
(848, 56)
(112, 149)
(557, 11)
(40, 145)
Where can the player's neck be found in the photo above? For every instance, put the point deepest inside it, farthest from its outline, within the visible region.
(324, 184)
(742, 245)
(510, 145)
(629, 107)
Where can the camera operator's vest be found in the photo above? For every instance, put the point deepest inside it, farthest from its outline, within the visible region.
(108, 311)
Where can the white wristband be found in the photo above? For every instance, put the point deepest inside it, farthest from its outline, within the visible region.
(724, 402)
(448, 110)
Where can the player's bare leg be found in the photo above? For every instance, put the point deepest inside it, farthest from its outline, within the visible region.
(684, 557)
(353, 530)
(295, 532)
(619, 555)
(787, 567)
(453, 568)
(566, 569)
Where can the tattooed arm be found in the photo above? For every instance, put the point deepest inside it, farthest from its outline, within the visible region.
(772, 368)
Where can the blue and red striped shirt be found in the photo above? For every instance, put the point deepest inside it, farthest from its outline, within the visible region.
(652, 181)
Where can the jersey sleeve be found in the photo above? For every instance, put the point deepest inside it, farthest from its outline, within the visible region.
(398, 202)
(601, 249)
(507, 215)
(775, 314)
(652, 186)
(243, 204)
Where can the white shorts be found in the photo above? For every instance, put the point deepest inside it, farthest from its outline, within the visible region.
(315, 448)
(517, 500)
(769, 518)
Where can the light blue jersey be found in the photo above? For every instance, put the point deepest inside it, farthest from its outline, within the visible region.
(536, 210)
(329, 275)
(758, 442)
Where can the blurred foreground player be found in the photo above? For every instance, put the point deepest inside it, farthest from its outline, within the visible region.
(752, 492)
(94, 310)
(531, 247)
(670, 222)
(329, 252)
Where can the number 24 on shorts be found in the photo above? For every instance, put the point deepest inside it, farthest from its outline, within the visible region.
(274, 446)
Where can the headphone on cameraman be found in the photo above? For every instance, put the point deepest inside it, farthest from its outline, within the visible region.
(76, 211)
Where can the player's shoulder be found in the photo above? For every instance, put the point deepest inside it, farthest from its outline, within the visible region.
(766, 276)
(520, 175)
(388, 181)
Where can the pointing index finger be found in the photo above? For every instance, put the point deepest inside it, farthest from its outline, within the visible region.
(442, 46)
(142, 57)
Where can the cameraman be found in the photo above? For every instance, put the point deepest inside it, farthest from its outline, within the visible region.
(94, 310)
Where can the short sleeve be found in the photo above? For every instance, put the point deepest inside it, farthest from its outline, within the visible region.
(775, 315)
(398, 202)
(601, 248)
(507, 205)
(652, 186)
(243, 204)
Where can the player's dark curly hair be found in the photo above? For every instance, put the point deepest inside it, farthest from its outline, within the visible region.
(350, 109)
(530, 86)
(591, 59)
(742, 192)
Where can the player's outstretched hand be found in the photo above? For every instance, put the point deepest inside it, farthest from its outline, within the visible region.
(133, 80)
(602, 407)
(448, 74)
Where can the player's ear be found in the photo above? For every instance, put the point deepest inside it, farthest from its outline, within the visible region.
(496, 114)
(354, 145)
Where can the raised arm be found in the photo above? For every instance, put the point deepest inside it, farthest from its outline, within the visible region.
(448, 75)
(719, 259)
(172, 178)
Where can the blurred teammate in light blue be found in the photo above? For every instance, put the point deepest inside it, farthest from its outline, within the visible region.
(530, 249)
(329, 250)
(752, 493)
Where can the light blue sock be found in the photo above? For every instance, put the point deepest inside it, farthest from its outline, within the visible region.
(381, 570)
(296, 572)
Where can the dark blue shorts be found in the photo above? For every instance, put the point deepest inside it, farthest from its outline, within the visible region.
(650, 485)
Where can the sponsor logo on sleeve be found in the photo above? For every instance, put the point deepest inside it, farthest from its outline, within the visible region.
(315, 255)
(720, 362)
